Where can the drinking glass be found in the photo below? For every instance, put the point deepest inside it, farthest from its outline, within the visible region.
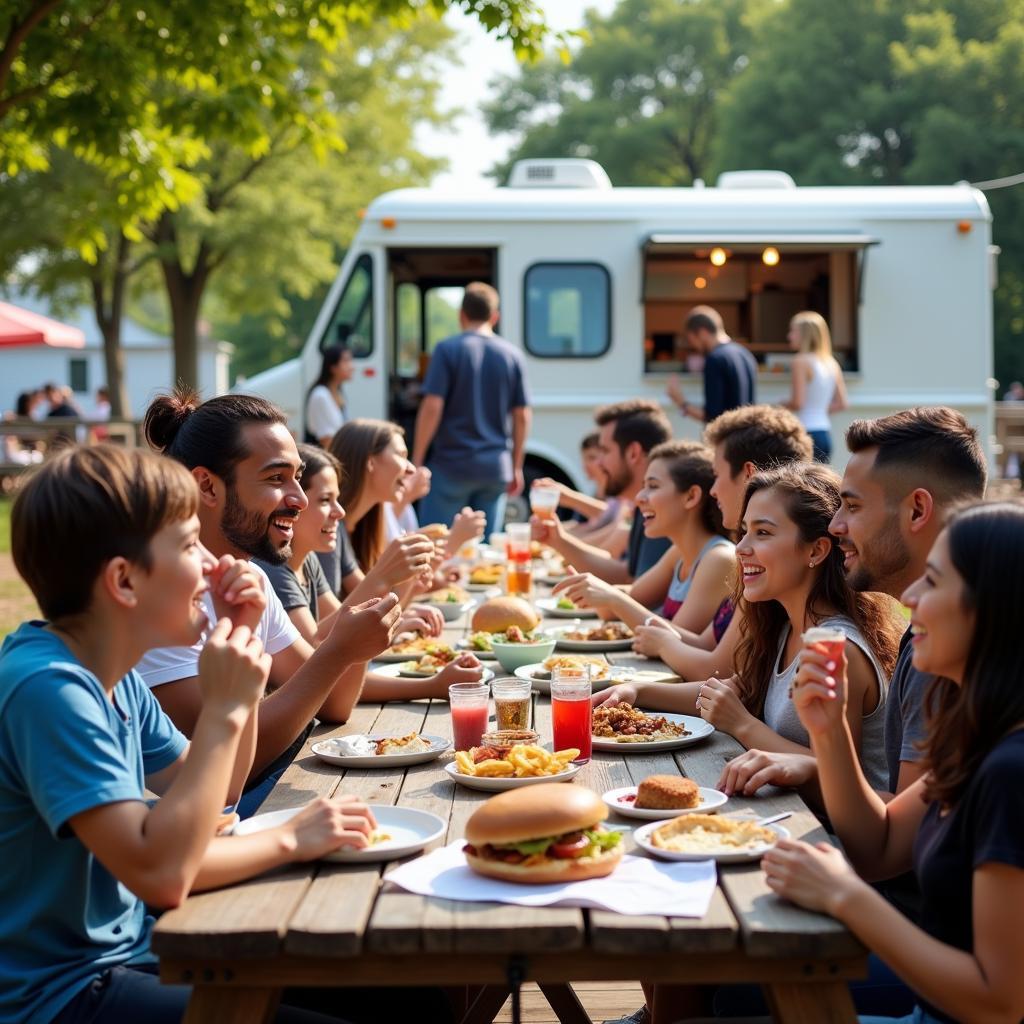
(469, 705)
(519, 571)
(544, 501)
(511, 703)
(570, 709)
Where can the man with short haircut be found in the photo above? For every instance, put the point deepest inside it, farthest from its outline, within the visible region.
(242, 456)
(474, 417)
(730, 371)
(628, 431)
(906, 473)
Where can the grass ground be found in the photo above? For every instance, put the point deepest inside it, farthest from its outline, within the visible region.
(16, 601)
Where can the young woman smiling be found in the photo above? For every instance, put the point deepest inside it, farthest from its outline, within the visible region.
(959, 825)
(792, 580)
(676, 503)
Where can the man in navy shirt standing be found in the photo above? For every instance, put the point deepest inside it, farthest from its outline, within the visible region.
(474, 417)
(730, 371)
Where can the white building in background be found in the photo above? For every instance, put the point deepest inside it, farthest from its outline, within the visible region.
(149, 360)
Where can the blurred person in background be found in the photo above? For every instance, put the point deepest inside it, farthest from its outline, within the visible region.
(817, 388)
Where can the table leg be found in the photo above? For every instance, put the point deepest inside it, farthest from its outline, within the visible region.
(209, 1005)
(811, 1002)
(568, 1009)
(485, 1006)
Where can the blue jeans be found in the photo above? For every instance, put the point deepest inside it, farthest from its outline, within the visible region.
(449, 495)
(127, 995)
(917, 1017)
(822, 441)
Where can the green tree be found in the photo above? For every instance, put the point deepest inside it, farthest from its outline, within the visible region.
(640, 96)
(894, 92)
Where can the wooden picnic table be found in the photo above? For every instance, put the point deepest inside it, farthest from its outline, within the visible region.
(325, 924)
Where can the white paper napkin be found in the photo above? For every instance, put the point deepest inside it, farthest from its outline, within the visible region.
(637, 886)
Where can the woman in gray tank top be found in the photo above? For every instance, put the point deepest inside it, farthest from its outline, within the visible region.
(793, 579)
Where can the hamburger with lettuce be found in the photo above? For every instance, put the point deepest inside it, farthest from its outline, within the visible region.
(540, 834)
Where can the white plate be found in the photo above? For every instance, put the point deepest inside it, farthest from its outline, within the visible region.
(490, 589)
(438, 746)
(642, 837)
(549, 606)
(544, 685)
(710, 799)
(391, 658)
(410, 831)
(396, 672)
(594, 646)
(495, 785)
(699, 730)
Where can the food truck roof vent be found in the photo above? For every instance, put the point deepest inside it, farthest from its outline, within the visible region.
(755, 179)
(558, 173)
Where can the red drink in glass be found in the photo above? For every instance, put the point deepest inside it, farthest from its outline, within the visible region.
(468, 726)
(831, 640)
(570, 724)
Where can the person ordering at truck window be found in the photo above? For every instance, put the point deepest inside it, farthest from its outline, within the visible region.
(730, 371)
(817, 388)
(474, 417)
(959, 825)
(325, 403)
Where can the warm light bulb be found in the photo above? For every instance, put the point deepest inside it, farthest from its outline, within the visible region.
(700, 282)
(770, 257)
(718, 256)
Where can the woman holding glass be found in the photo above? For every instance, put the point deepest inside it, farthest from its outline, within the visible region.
(959, 826)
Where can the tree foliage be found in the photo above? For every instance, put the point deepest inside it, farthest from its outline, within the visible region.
(640, 96)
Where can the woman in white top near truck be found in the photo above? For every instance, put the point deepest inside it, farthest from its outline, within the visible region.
(817, 389)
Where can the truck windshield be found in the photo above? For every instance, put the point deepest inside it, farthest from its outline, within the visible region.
(352, 322)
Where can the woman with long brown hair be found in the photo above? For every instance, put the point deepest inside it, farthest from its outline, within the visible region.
(792, 578)
(959, 826)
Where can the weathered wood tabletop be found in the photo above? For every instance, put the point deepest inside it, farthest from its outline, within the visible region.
(331, 925)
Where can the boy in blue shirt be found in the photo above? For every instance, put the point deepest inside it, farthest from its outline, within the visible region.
(108, 542)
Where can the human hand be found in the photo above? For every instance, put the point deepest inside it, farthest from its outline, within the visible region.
(753, 769)
(237, 592)
(421, 618)
(361, 632)
(819, 691)
(816, 877)
(546, 481)
(418, 483)
(467, 526)
(586, 590)
(652, 640)
(324, 825)
(516, 485)
(233, 670)
(719, 704)
(405, 557)
(623, 693)
(675, 391)
(466, 668)
(547, 531)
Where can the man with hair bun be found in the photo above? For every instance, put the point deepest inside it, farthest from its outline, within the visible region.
(474, 417)
(245, 462)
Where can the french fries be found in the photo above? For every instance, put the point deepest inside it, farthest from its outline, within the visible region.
(522, 762)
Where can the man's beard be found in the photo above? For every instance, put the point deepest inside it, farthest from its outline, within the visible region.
(250, 532)
(881, 562)
(615, 485)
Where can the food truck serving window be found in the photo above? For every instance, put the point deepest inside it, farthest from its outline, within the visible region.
(757, 284)
(567, 310)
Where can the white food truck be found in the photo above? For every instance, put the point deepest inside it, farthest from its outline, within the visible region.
(596, 282)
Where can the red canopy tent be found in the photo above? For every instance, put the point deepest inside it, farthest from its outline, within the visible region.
(20, 327)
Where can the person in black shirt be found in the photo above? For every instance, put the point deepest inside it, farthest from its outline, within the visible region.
(959, 825)
(730, 371)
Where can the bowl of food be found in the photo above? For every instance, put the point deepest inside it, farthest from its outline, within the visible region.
(515, 648)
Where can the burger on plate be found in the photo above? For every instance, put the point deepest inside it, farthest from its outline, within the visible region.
(540, 834)
(502, 613)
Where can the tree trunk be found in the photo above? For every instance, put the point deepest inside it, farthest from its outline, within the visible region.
(109, 317)
(185, 297)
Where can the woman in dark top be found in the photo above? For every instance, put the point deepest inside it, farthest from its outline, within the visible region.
(961, 825)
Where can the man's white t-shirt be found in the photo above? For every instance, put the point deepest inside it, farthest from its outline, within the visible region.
(169, 664)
